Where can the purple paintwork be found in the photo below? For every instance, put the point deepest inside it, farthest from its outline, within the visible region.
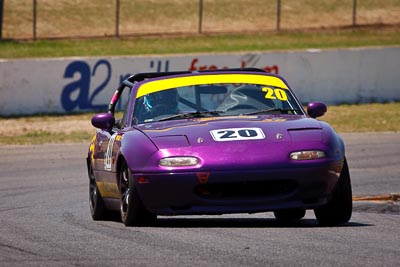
(244, 162)
(262, 162)
(316, 109)
(104, 121)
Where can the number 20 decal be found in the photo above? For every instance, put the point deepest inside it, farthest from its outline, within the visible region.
(275, 93)
(236, 134)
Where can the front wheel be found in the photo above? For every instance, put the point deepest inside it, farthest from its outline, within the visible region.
(339, 209)
(97, 209)
(133, 212)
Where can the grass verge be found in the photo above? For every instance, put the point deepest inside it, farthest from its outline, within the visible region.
(77, 128)
(46, 137)
(272, 41)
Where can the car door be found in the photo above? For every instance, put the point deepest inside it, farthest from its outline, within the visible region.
(107, 147)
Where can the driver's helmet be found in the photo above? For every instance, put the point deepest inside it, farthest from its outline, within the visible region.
(165, 101)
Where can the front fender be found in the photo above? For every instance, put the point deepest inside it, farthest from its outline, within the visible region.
(334, 142)
(136, 149)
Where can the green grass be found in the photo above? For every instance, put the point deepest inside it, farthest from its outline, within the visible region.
(364, 118)
(200, 44)
(45, 137)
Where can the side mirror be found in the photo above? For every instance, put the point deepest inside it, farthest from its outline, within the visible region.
(104, 121)
(316, 109)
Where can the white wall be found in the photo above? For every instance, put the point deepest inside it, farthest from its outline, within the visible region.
(82, 84)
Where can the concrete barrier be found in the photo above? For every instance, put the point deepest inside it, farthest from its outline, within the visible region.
(62, 85)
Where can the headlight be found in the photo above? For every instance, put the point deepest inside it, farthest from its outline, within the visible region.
(179, 161)
(305, 155)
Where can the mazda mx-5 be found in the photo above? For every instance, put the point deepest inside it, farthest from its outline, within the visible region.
(215, 142)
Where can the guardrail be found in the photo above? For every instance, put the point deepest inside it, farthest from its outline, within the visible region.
(333, 76)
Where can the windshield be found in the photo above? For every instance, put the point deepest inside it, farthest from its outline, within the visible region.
(216, 99)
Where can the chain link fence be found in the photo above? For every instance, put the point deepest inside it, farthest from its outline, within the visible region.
(46, 19)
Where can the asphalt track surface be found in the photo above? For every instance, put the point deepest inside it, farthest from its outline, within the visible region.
(45, 219)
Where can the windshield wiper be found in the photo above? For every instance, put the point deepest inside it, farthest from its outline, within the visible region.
(187, 115)
(282, 110)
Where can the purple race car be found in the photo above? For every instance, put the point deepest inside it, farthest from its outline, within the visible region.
(214, 142)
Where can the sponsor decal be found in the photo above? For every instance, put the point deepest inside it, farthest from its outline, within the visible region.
(278, 136)
(249, 60)
(108, 156)
(83, 93)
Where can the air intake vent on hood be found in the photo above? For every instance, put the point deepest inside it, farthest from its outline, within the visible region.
(171, 141)
(306, 134)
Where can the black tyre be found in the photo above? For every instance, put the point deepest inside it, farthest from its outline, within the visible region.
(133, 212)
(339, 209)
(97, 209)
(288, 215)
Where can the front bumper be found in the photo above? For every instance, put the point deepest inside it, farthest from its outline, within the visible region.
(219, 192)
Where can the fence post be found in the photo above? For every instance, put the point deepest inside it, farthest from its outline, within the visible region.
(34, 19)
(200, 15)
(1, 19)
(278, 15)
(354, 12)
(117, 5)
